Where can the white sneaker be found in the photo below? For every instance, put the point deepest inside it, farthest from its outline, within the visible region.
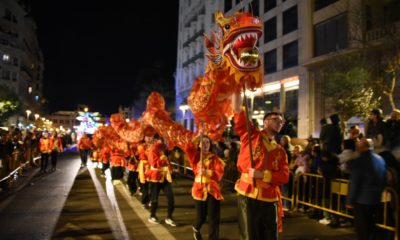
(170, 222)
(153, 220)
(116, 182)
(325, 221)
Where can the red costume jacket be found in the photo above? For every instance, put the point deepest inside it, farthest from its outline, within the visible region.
(57, 144)
(132, 162)
(84, 143)
(117, 158)
(143, 166)
(45, 145)
(269, 157)
(105, 155)
(208, 182)
(160, 168)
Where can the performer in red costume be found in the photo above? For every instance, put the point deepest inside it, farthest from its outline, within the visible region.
(159, 176)
(117, 163)
(132, 167)
(142, 150)
(105, 153)
(260, 205)
(208, 169)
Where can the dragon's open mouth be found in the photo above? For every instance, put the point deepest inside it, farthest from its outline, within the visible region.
(242, 51)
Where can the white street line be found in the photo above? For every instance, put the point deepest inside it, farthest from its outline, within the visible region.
(110, 207)
(159, 231)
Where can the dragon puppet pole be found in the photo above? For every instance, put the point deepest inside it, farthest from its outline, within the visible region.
(246, 109)
(201, 151)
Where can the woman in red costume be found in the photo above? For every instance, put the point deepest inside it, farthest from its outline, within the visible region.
(159, 176)
(208, 169)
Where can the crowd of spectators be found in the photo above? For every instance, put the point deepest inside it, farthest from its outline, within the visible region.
(19, 149)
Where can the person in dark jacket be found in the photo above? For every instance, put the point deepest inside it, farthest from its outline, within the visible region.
(367, 181)
(334, 137)
(376, 130)
(393, 130)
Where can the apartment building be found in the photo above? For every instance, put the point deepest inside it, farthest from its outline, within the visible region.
(21, 60)
(299, 37)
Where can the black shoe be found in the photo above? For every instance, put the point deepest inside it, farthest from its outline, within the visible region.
(334, 224)
(196, 234)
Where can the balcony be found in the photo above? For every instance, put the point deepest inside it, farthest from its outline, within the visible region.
(379, 33)
(25, 70)
(193, 59)
(193, 38)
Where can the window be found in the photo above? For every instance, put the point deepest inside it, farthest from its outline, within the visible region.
(292, 102)
(37, 86)
(368, 17)
(270, 30)
(290, 55)
(269, 5)
(391, 12)
(55, 121)
(15, 61)
(6, 74)
(7, 14)
(227, 5)
(29, 89)
(255, 7)
(289, 20)
(6, 57)
(330, 35)
(269, 102)
(61, 121)
(14, 76)
(270, 61)
(319, 4)
(66, 121)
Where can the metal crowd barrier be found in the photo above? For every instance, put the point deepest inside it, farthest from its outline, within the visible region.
(315, 191)
(13, 175)
(288, 192)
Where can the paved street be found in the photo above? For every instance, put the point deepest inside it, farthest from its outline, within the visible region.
(74, 203)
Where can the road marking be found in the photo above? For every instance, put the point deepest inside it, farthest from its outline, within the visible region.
(158, 230)
(110, 207)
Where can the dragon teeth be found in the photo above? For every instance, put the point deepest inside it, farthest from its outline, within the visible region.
(243, 36)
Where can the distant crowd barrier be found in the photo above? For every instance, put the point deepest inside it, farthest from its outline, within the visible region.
(317, 192)
(11, 177)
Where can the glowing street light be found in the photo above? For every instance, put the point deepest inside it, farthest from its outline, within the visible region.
(86, 109)
(36, 116)
(183, 108)
(28, 112)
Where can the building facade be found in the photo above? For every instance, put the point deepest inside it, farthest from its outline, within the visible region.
(299, 37)
(64, 120)
(21, 60)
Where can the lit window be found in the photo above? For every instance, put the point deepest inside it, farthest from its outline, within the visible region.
(37, 98)
(6, 57)
(29, 89)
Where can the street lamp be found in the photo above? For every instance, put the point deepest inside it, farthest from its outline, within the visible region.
(28, 112)
(36, 116)
(183, 108)
(86, 109)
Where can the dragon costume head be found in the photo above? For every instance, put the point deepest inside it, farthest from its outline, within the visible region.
(236, 49)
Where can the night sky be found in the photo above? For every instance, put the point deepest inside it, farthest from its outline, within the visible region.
(95, 51)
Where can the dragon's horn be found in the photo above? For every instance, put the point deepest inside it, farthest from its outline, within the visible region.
(213, 37)
(209, 45)
(221, 19)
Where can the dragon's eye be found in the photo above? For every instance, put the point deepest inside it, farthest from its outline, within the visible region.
(227, 26)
